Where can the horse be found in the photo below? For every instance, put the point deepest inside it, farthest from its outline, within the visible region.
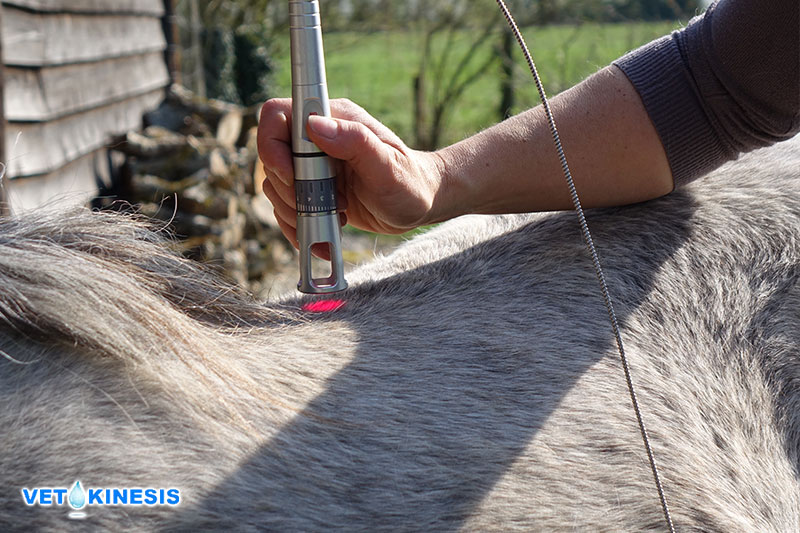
(468, 380)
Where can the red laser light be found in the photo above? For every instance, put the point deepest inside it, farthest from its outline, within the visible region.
(323, 306)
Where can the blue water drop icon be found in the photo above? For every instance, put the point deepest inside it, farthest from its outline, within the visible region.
(76, 497)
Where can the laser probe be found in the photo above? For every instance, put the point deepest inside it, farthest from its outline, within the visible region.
(314, 174)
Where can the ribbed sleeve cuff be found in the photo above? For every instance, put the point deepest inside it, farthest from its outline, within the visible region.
(659, 73)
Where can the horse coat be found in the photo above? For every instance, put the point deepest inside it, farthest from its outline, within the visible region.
(469, 381)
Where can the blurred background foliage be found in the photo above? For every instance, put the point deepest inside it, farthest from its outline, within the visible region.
(434, 71)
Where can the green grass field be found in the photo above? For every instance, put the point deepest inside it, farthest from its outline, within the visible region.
(376, 69)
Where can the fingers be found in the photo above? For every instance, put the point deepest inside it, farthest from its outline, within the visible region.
(275, 139)
(348, 110)
(274, 133)
(355, 138)
(286, 215)
(284, 210)
(352, 142)
(358, 134)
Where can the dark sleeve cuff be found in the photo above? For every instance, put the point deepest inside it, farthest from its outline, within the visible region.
(659, 73)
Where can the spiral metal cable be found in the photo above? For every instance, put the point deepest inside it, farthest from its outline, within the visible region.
(587, 237)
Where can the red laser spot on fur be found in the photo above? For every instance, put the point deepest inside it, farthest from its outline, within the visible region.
(323, 306)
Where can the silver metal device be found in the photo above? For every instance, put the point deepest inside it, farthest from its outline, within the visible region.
(314, 174)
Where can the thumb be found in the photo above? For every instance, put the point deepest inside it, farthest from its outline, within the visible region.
(349, 141)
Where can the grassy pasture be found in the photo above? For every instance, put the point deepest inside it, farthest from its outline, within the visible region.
(376, 69)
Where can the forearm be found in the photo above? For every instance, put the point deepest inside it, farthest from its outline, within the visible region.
(612, 148)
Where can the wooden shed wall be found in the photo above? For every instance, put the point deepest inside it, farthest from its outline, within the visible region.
(76, 72)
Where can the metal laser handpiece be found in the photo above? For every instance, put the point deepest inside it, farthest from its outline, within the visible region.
(315, 178)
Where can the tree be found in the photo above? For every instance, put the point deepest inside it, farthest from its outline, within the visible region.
(442, 77)
(228, 48)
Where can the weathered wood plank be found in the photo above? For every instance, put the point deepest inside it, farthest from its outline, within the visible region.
(37, 148)
(31, 39)
(145, 7)
(72, 184)
(42, 94)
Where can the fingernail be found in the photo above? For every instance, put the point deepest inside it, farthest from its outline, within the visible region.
(324, 126)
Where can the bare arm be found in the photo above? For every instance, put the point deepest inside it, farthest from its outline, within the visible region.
(612, 148)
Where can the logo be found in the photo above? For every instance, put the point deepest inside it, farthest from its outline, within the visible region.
(80, 499)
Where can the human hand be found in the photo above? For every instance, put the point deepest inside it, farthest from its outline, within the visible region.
(384, 186)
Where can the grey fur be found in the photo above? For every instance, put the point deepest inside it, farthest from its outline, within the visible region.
(470, 381)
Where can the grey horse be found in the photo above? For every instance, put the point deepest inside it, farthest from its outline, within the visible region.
(468, 381)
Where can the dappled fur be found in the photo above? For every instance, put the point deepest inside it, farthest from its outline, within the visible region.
(469, 382)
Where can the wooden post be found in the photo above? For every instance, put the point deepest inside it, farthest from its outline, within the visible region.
(198, 80)
(173, 51)
(5, 207)
(507, 78)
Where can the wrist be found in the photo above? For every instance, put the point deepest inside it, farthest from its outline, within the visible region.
(449, 191)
